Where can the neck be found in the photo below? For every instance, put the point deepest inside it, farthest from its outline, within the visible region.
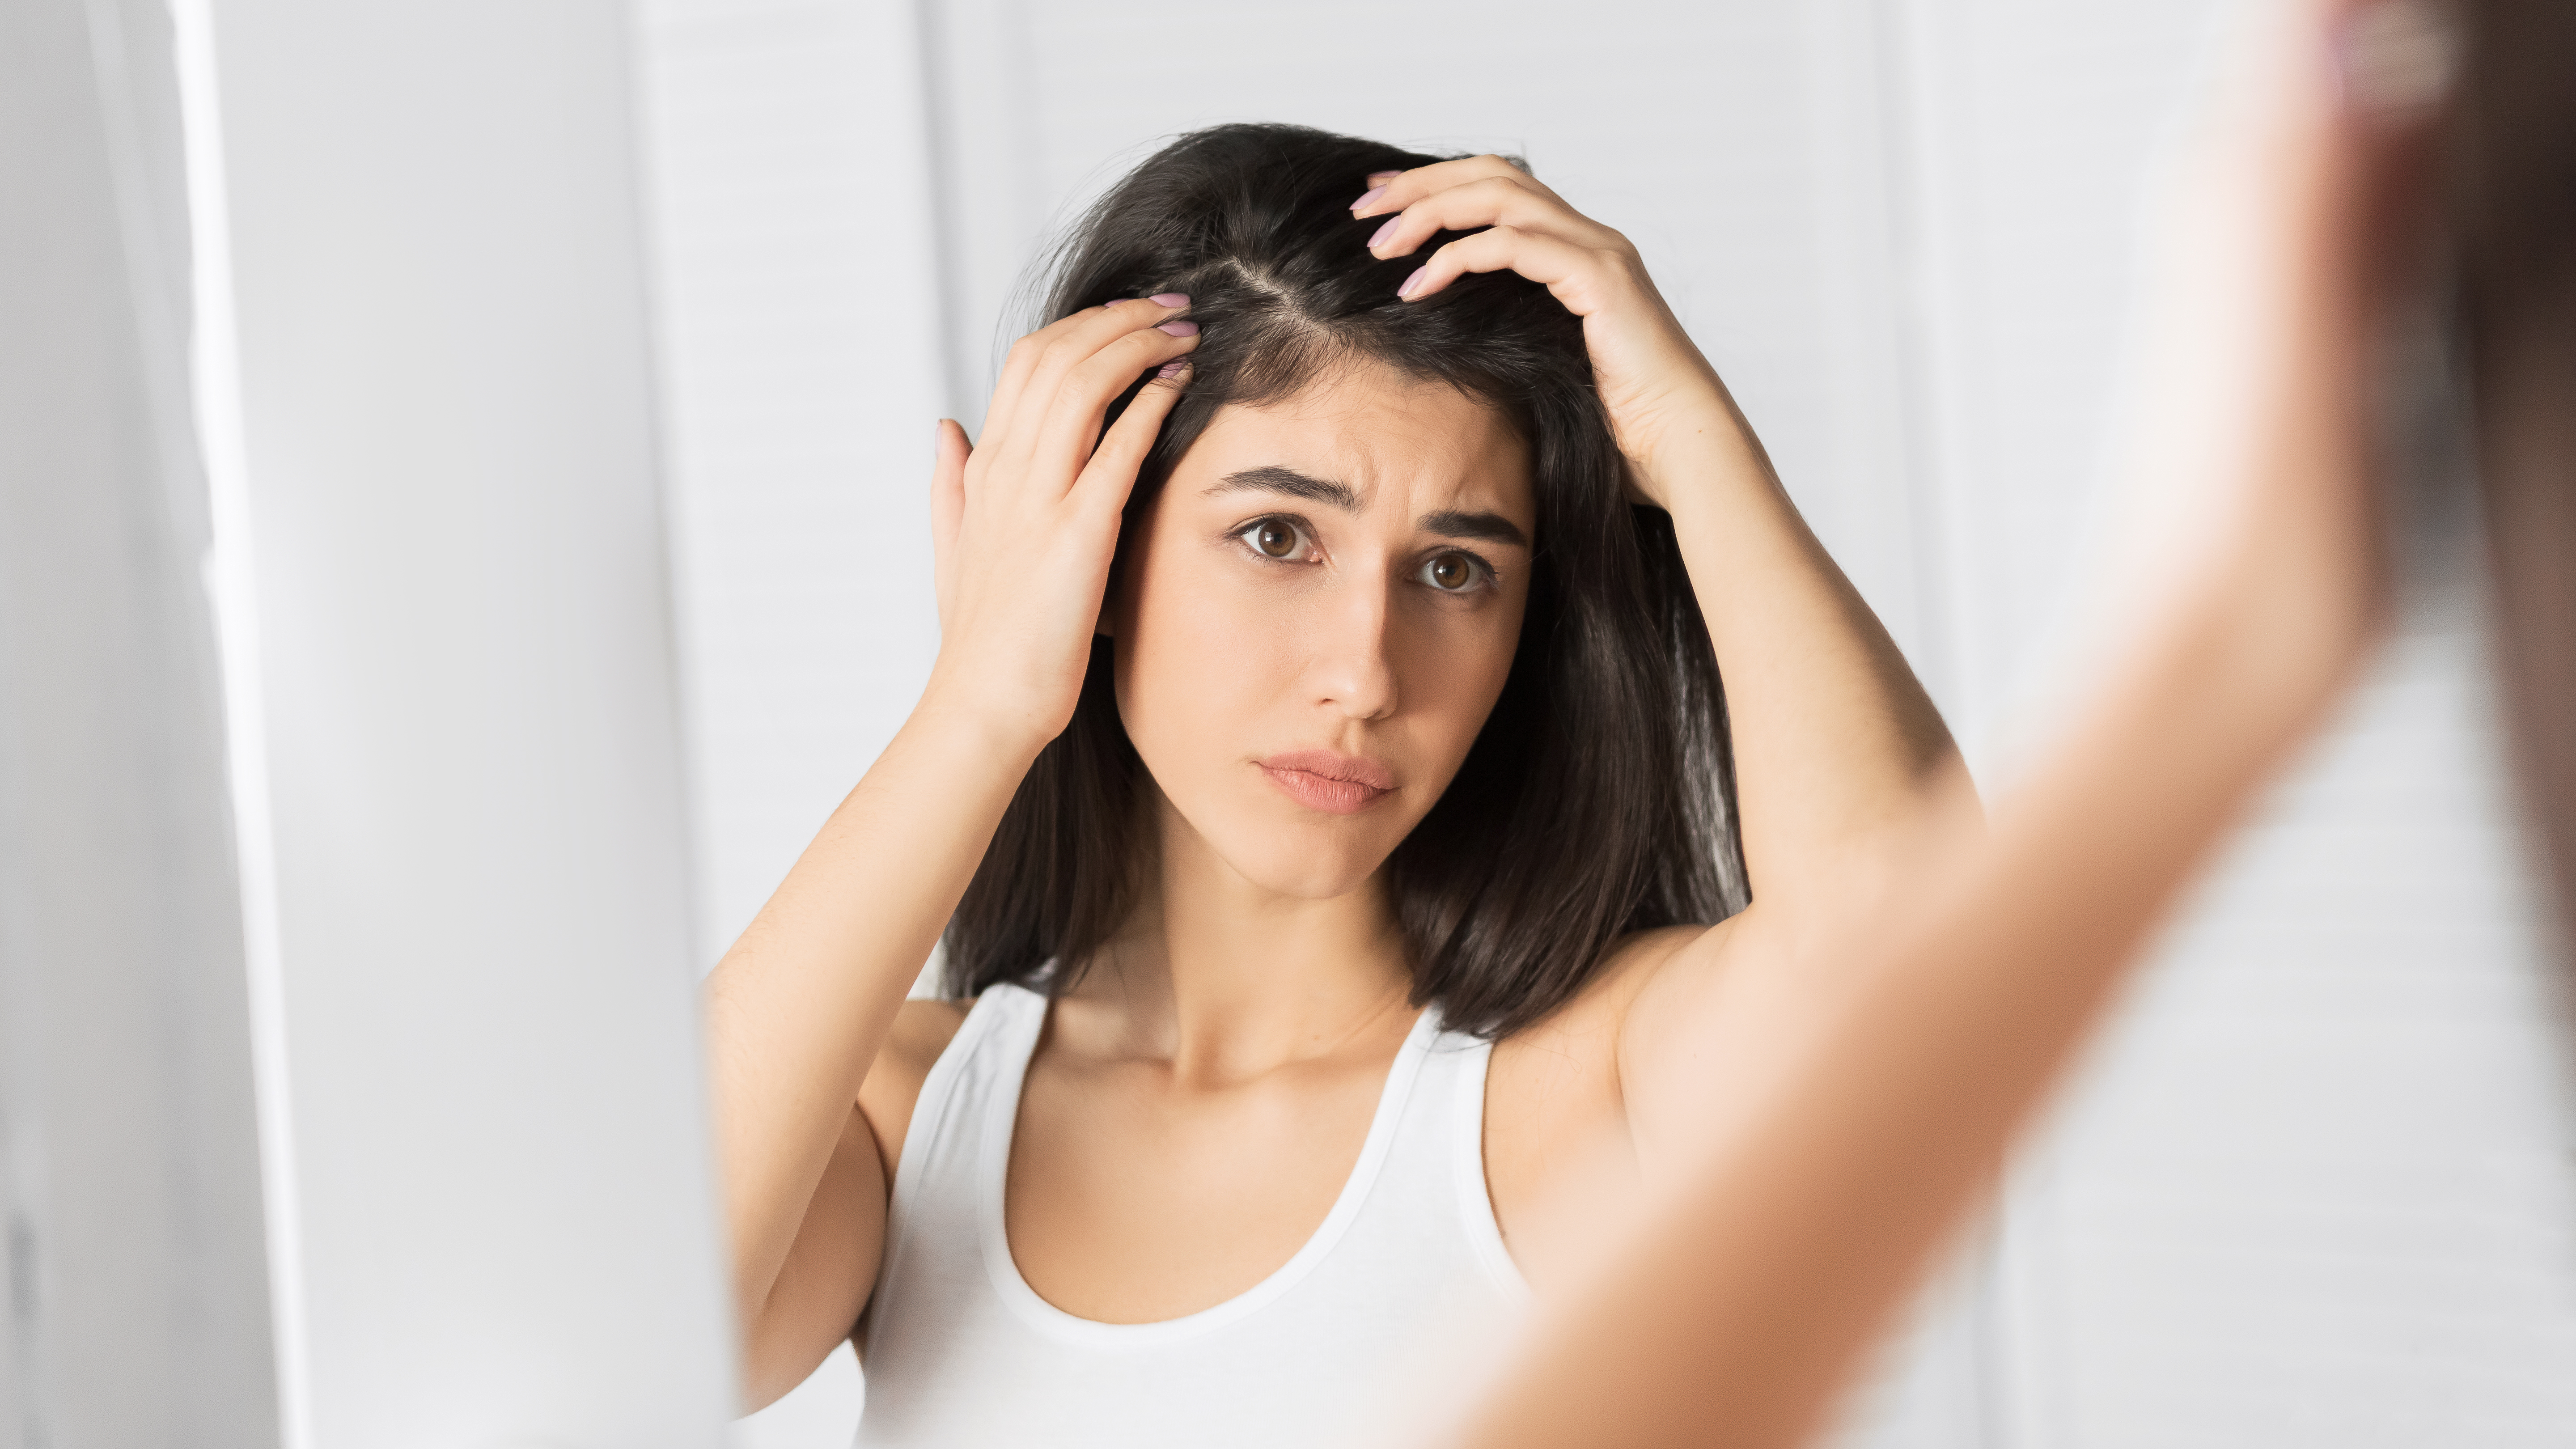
(1225, 979)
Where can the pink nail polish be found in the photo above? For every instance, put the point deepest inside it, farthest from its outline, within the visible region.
(1173, 368)
(1386, 231)
(1170, 299)
(1381, 178)
(1372, 194)
(1182, 328)
(2394, 58)
(1405, 292)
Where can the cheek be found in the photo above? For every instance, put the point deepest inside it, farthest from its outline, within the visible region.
(1453, 670)
(1198, 661)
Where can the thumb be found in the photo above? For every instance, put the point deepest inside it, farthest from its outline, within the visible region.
(947, 507)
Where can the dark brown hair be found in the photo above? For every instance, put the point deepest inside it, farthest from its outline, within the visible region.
(1598, 799)
(2511, 166)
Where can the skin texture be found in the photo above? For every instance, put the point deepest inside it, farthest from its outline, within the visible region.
(1807, 1207)
(1218, 1063)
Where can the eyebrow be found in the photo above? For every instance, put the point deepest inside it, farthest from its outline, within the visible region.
(1454, 523)
(1491, 527)
(1288, 481)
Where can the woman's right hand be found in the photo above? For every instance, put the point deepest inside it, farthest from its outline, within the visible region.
(1024, 525)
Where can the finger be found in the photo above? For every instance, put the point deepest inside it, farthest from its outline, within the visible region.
(1090, 332)
(1513, 201)
(947, 507)
(1408, 187)
(1083, 332)
(1018, 365)
(1585, 279)
(1073, 420)
(1111, 474)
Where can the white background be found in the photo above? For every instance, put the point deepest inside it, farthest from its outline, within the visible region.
(2315, 1188)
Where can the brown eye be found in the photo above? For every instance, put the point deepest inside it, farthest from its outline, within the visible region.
(1274, 538)
(1452, 571)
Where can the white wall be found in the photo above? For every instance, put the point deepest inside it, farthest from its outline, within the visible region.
(798, 288)
(2314, 1187)
(508, 1231)
(797, 284)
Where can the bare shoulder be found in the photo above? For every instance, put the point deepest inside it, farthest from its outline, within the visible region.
(1560, 1074)
(1585, 1030)
(922, 1030)
(1567, 1064)
(1556, 1110)
(1668, 991)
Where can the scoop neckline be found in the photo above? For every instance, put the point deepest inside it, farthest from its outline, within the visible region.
(1002, 1111)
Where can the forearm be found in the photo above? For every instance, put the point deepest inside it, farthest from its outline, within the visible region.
(799, 1008)
(1835, 741)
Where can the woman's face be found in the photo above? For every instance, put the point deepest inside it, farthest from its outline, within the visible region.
(1318, 615)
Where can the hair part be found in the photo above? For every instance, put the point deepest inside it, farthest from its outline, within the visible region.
(1599, 798)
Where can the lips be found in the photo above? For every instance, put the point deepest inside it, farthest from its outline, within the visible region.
(1328, 780)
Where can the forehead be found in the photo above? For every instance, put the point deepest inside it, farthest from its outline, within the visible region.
(1390, 438)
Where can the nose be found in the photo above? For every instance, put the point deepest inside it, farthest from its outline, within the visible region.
(1353, 671)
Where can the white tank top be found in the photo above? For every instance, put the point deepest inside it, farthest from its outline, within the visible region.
(1351, 1332)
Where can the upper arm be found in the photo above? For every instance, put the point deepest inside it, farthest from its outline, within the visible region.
(831, 1267)
(1712, 1022)
(1716, 1016)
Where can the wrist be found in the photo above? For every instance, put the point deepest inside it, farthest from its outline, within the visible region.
(1672, 432)
(1704, 457)
(996, 725)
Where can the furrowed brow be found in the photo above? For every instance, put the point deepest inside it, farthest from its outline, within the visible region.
(1491, 527)
(1288, 481)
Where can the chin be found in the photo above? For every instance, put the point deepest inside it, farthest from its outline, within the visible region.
(1307, 861)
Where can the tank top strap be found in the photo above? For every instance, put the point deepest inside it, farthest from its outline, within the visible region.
(942, 1148)
(1453, 1094)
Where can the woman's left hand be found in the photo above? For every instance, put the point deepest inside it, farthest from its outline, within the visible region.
(1657, 387)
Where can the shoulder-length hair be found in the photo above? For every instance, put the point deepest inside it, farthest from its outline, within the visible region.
(1599, 798)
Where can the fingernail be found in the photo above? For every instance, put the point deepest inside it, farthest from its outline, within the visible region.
(1173, 368)
(1183, 328)
(1372, 194)
(1386, 231)
(2394, 57)
(1380, 178)
(1406, 291)
(1170, 299)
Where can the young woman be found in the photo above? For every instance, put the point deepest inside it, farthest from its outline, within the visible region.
(1327, 798)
